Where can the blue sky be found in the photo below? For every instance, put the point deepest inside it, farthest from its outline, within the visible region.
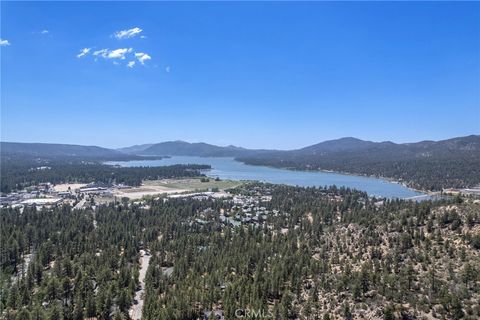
(272, 75)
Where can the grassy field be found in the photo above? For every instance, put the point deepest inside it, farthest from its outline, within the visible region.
(193, 184)
(172, 186)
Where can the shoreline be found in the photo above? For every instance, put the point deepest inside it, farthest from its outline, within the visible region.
(418, 192)
(386, 179)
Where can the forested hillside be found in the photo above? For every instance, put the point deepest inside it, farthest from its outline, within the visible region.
(55, 150)
(427, 165)
(18, 172)
(182, 148)
(319, 254)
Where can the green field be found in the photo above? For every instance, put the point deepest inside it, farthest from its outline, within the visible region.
(194, 184)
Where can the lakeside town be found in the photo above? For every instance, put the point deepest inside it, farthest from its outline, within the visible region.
(244, 210)
(252, 160)
(80, 195)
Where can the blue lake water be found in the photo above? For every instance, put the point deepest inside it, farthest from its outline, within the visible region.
(227, 168)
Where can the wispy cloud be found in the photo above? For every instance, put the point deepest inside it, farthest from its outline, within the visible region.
(167, 69)
(119, 53)
(113, 54)
(43, 32)
(142, 57)
(4, 42)
(102, 53)
(83, 52)
(126, 34)
(116, 55)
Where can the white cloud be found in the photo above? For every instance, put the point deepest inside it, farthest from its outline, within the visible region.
(113, 54)
(167, 69)
(83, 52)
(4, 42)
(142, 57)
(44, 32)
(126, 34)
(119, 53)
(103, 53)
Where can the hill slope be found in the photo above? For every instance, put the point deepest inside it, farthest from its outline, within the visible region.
(469, 145)
(136, 149)
(57, 150)
(431, 165)
(182, 148)
(428, 165)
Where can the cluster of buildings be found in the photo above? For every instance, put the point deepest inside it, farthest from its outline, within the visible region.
(42, 195)
(245, 210)
(49, 195)
(474, 191)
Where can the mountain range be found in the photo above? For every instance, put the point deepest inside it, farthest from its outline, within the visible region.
(47, 150)
(343, 147)
(356, 148)
(182, 148)
(427, 165)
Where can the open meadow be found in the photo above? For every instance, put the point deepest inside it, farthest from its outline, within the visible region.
(174, 186)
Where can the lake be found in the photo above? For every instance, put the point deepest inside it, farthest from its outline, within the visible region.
(228, 168)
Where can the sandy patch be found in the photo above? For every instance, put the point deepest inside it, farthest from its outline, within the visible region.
(64, 186)
(174, 186)
(140, 192)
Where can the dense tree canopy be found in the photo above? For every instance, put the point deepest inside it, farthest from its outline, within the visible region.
(18, 173)
(325, 253)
